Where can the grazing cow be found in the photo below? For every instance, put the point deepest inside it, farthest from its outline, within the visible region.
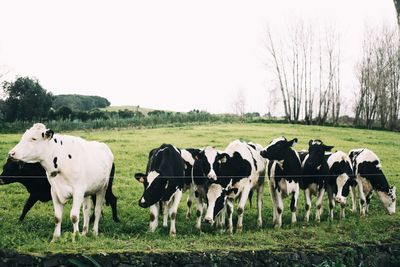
(189, 157)
(163, 184)
(284, 170)
(74, 167)
(341, 182)
(368, 170)
(238, 171)
(315, 171)
(33, 177)
(204, 172)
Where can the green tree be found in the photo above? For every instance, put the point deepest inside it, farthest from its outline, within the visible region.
(26, 100)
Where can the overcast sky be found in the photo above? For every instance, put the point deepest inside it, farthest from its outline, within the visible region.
(174, 55)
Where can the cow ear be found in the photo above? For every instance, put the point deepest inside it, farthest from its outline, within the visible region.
(49, 134)
(231, 190)
(310, 142)
(223, 157)
(328, 148)
(140, 177)
(292, 142)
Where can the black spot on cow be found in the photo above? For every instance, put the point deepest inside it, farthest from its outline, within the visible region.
(42, 135)
(61, 142)
(69, 156)
(55, 140)
(55, 162)
(292, 204)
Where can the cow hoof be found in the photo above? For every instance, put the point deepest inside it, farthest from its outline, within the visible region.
(259, 223)
(239, 229)
(54, 239)
(172, 234)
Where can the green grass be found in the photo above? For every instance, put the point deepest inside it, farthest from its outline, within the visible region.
(131, 147)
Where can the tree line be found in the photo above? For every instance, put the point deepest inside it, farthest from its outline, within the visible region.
(306, 64)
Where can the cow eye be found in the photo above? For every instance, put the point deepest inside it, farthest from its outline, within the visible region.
(33, 139)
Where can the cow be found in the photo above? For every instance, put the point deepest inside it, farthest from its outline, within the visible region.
(238, 169)
(204, 172)
(340, 182)
(33, 177)
(370, 177)
(75, 168)
(284, 171)
(163, 185)
(189, 157)
(315, 171)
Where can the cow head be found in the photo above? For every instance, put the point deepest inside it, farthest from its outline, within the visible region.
(341, 175)
(206, 162)
(278, 148)
(316, 154)
(216, 198)
(33, 144)
(389, 199)
(17, 171)
(153, 187)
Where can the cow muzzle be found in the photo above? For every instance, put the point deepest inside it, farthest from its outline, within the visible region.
(340, 199)
(212, 175)
(209, 220)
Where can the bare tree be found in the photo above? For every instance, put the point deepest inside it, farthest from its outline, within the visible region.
(239, 103)
(378, 75)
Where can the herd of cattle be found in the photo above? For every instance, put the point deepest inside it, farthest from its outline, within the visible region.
(60, 167)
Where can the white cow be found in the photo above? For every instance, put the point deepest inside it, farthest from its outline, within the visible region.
(75, 168)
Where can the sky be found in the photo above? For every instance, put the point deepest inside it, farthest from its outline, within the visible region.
(172, 55)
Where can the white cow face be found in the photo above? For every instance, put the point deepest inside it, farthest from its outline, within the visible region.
(32, 145)
(216, 198)
(389, 199)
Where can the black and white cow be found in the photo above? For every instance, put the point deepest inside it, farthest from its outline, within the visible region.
(74, 167)
(238, 171)
(163, 185)
(315, 171)
(340, 183)
(33, 177)
(370, 177)
(189, 157)
(204, 167)
(284, 170)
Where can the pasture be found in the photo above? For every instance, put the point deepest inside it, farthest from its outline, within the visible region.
(131, 147)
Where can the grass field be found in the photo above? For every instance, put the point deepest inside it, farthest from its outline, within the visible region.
(131, 147)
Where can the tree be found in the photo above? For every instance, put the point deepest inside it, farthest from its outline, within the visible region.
(239, 103)
(26, 100)
(80, 102)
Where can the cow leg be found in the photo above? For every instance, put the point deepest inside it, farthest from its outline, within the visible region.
(97, 210)
(273, 201)
(342, 209)
(173, 210)
(77, 200)
(112, 200)
(320, 197)
(154, 210)
(331, 200)
(279, 210)
(307, 195)
(28, 205)
(361, 193)
(199, 211)
(293, 205)
(353, 198)
(368, 200)
(190, 201)
(242, 203)
(229, 210)
(221, 218)
(166, 207)
(87, 207)
(58, 211)
(260, 195)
